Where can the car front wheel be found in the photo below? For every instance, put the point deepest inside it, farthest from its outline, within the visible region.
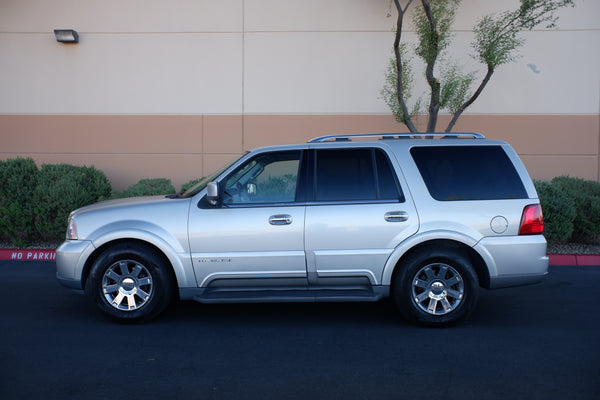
(435, 287)
(130, 283)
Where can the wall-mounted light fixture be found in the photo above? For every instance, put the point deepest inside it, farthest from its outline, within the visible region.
(66, 36)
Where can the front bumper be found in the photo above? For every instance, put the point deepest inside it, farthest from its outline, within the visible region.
(70, 262)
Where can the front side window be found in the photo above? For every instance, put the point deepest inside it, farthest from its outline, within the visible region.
(202, 182)
(266, 178)
(354, 175)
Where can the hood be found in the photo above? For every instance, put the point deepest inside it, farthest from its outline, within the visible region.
(137, 202)
(123, 203)
(157, 214)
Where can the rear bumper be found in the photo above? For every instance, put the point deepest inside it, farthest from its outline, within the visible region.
(514, 260)
(516, 280)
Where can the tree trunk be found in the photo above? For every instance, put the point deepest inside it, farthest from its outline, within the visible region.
(434, 84)
(407, 120)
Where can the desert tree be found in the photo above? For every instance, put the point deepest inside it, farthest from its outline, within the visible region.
(496, 43)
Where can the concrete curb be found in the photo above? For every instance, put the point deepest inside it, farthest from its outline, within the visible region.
(50, 255)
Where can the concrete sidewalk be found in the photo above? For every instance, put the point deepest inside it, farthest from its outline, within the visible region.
(50, 255)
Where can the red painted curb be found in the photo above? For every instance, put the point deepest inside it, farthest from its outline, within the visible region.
(28, 254)
(563, 259)
(575, 259)
(586, 259)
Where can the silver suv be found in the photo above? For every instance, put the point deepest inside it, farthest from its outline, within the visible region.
(424, 220)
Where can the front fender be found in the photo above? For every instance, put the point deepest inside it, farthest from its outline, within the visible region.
(176, 252)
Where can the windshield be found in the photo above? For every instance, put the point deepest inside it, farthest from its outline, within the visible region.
(205, 180)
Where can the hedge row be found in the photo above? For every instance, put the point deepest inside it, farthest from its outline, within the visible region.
(571, 208)
(35, 203)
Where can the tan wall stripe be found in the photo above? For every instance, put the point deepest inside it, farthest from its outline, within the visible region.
(183, 147)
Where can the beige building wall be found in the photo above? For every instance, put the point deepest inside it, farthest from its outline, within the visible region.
(131, 147)
(175, 89)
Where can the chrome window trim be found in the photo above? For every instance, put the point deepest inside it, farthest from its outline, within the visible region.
(310, 203)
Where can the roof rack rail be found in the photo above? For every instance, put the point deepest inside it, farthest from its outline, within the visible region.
(441, 135)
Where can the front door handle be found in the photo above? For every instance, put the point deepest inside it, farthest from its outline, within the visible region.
(396, 216)
(280, 219)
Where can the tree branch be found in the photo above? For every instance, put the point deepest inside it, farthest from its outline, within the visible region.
(474, 97)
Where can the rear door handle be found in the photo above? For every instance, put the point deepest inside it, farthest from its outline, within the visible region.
(396, 216)
(280, 219)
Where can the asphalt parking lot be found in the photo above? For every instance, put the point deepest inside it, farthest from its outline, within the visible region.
(535, 342)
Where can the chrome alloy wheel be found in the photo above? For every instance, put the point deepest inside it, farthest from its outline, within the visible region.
(437, 289)
(127, 285)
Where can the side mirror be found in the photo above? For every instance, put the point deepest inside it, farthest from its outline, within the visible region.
(212, 193)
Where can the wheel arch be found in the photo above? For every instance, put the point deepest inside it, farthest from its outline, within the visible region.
(133, 242)
(476, 260)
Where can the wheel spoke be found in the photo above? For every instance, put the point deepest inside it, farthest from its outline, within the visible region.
(118, 299)
(123, 267)
(442, 272)
(455, 294)
(422, 297)
(432, 305)
(130, 302)
(453, 280)
(446, 305)
(145, 281)
(420, 283)
(113, 275)
(142, 295)
(111, 288)
(136, 271)
(429, 272)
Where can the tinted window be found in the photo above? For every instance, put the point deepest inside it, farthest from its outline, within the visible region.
(468, 173)
(388, 187)
(354, 174)
(267, 178)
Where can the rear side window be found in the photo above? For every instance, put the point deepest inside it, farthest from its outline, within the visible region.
(354, 175)
(468, 173)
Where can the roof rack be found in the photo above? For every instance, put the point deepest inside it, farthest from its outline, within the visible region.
(441, 135)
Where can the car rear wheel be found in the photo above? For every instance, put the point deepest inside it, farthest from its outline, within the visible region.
(130, 283)
(435, 287)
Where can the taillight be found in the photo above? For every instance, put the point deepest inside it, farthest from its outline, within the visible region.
(532, 221)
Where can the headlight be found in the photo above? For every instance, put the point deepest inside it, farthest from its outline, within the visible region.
(72, 229)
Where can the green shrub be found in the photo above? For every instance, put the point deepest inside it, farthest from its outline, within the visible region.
(62, 188)
(17, 224)
(559, 212)
(18, 179)
(35, 204)
(190, 184)
(149, 187)
(585, 196)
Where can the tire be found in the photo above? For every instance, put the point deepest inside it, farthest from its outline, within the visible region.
(130, 283)
(435, 287)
